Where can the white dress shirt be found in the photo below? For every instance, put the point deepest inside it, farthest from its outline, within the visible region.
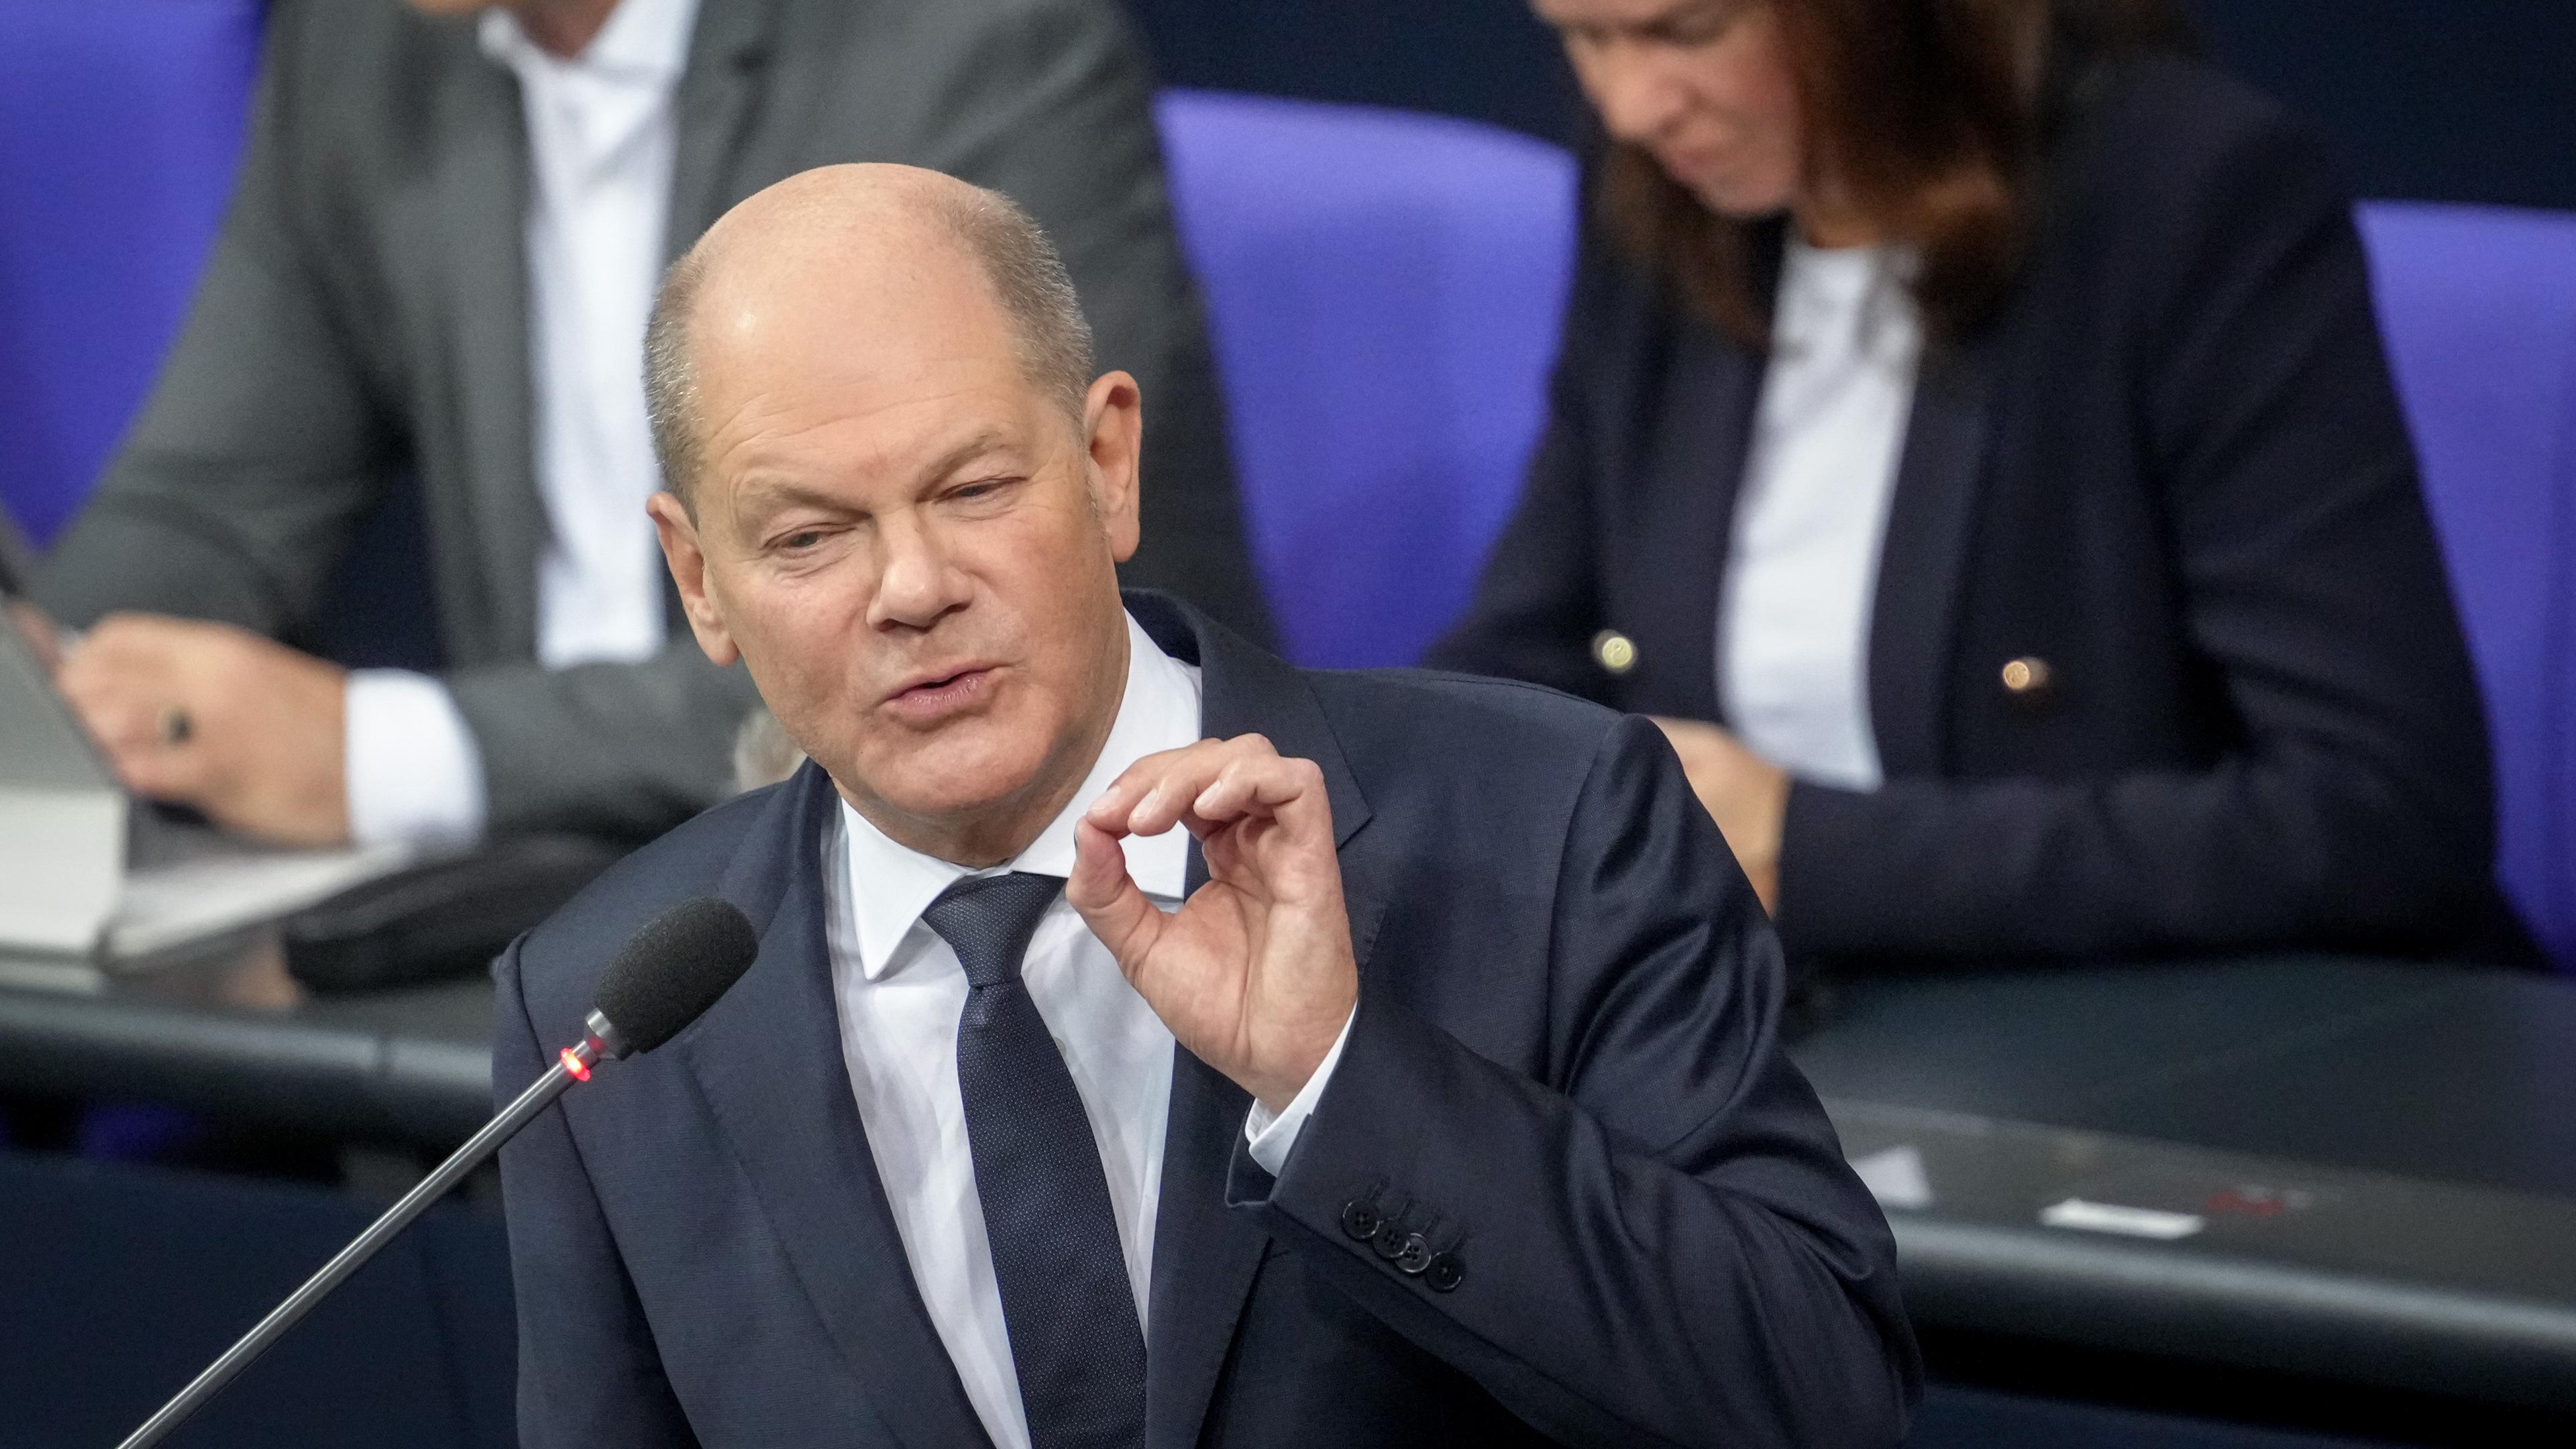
(1802, 572)
(601, 136)
(900, 991)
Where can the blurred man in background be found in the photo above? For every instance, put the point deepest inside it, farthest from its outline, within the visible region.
(437, 268)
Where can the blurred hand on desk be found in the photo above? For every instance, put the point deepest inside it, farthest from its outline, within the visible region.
(1746, 794)
(239, 727)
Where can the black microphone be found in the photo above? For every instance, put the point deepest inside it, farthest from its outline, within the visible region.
(665, 977)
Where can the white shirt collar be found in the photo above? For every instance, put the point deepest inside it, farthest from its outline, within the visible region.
(644, 40)
(890, 885)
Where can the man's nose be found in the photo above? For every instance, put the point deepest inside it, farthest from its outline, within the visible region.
(917, 579)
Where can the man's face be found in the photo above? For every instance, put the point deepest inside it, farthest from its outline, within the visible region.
(912, 548)
(1703, 86)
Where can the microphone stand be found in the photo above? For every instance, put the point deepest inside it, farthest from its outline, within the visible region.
(573, 1065)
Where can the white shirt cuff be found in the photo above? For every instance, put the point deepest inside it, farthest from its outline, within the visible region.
(1269, 1137)
(414, 776)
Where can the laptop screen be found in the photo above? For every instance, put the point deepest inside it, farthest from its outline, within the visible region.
(42, 745)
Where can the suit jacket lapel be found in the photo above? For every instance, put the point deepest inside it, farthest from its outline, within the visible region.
(1205, 1256)
(713, 107)
(768, 1058)
(480, 239)
(1930, 523)
(1710, 403)
(1691, 482)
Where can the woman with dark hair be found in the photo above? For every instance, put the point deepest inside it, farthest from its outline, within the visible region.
(1976, 406)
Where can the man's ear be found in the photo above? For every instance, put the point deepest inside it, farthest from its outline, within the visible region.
(688, 561)
(1113, 419)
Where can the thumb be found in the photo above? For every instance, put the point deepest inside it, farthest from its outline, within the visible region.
(1109, 899)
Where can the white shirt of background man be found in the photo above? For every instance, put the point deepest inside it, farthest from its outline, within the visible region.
(601, 137)
(900, 990)
(1811, 520)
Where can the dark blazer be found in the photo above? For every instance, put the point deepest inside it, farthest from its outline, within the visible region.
(1564, 1074)
(365, 317)
(2172, 468)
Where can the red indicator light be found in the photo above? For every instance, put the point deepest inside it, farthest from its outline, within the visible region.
(580, 1069)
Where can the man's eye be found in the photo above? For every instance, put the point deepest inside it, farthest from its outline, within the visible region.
(802, 539)
(988, 490)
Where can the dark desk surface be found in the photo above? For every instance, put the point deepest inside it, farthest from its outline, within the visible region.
(233, 1035)
(2424, 1071)
(2380, 1158)
(2376, 1163)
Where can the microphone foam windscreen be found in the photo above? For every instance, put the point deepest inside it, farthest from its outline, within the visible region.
(673, 969)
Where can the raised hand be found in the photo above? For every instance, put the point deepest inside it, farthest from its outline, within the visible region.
(1254, 974)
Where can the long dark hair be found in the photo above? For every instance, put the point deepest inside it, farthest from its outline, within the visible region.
(1931, 116)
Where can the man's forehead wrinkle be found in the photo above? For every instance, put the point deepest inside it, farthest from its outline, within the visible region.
(753, 458)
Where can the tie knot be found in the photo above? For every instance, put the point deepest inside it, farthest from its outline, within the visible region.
(988, 920)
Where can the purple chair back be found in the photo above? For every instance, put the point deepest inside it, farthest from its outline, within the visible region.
(1384, 293)
(2479, 308)
(121, 124)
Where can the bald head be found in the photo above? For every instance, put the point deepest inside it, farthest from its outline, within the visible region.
(854, 228)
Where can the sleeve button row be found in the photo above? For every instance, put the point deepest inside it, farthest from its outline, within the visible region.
(1391, 1239)
(1409, 1252)
(1360, 1220)
(1415, 1257)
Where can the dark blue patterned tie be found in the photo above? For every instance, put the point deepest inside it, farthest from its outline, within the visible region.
(1066, 1299)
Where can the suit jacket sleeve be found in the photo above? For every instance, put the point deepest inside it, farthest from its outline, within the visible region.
(2356, 806)
(1660, 1241)
(1537, 603)
(1053, 108)
(619, 750)
(588, 1370)
(234, 491)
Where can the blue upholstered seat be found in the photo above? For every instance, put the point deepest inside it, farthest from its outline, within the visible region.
(2479, 308)
(1384, 291)
(121, 124)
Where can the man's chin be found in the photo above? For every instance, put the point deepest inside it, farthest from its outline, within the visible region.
(958, 776)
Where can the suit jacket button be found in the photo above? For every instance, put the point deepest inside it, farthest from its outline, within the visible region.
(1390, 1240)
(1614, 651)
(1415, 1257)
(2029, 680)
(1444, 1273)
(1360, 1220)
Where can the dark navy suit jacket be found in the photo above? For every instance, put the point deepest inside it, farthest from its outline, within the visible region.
(2171, 467)
(1564, 1075)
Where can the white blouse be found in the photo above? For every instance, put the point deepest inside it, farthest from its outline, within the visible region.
(1802, 564)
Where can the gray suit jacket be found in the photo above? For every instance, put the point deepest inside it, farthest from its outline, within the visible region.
(365, 317)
